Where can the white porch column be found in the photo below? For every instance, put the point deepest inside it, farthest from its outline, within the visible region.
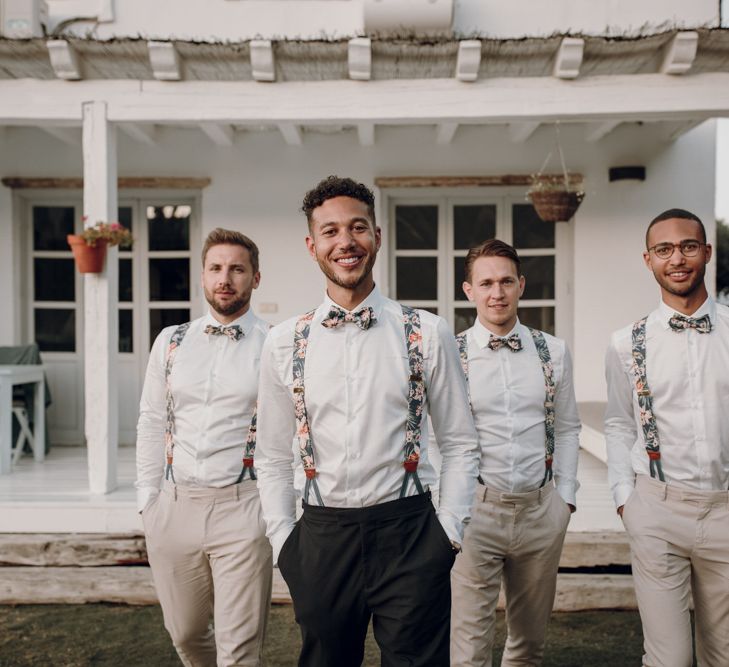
(101, 314)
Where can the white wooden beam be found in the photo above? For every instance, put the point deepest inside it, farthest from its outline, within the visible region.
(680, 53)
(359, 58)
(291, 134)
(220, 135)
(263, 67)
(366, 134)
(101, 320)
(64, 59)
(469, 60)
(674, 130)
(568, 60)
(68, 135)
(597, 131)
(520, 132)
(635, 97)
(144, 134)
(165, 61)
(445, 132)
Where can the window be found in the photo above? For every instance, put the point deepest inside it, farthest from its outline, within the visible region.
(53, 279)
(431, 238)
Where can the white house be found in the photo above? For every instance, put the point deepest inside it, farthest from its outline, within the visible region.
(176, 117)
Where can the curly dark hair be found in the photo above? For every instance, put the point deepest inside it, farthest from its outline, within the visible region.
(334, 186)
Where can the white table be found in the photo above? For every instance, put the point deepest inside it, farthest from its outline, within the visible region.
(10, 376)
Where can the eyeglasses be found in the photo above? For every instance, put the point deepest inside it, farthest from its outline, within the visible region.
(689, 248)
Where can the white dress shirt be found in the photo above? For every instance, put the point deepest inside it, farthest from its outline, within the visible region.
(507, 400)
(214, 384)
(688, 375)
(357, 400)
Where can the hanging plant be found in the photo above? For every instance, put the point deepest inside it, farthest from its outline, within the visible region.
(555, 198)
(89, 247)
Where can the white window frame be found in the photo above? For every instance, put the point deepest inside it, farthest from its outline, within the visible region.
(503, 198)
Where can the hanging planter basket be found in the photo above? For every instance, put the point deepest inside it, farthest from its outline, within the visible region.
(555, 205)
(89, 258)
(555, 198)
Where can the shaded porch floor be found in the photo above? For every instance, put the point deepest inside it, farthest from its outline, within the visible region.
(53, 497)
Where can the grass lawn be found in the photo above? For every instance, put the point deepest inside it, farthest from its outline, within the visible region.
(106, 635)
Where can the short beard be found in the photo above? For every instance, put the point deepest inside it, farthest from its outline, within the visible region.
(230, 309)
(355, 281)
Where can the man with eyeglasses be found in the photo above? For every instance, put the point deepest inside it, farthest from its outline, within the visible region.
(668, 449)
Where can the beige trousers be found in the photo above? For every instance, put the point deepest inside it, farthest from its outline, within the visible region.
(679, 544)
(516, 537)
(210, 558)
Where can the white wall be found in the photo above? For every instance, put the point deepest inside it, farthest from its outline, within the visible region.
(258, 183)
(613, 288)
(219, 20)
(518, 18)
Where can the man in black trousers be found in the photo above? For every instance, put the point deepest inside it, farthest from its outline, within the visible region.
(354, 381)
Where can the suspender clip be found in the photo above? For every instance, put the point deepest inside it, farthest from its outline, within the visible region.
(644, 392)
(416, 378)
(298, 390)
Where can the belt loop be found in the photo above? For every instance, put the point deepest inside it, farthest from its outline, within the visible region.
(174, 486)
(237, 491)
(485, 493)
(665, 491)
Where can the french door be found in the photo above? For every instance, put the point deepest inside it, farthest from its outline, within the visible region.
(158, 286)
(430, 237)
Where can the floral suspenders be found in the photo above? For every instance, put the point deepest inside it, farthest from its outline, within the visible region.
(545, 359)
(645, 400)
(250, 449)
(416, 396)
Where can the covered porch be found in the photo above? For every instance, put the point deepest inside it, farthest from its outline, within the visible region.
(441, 123)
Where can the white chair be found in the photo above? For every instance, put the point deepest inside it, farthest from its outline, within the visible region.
(24, 434)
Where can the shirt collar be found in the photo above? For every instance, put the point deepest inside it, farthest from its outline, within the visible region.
(665, 312)
(374, 300)
(481, 334)
(245, 321)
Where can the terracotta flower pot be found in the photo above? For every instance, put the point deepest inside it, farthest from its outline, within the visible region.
(556, 205)
(89, 259)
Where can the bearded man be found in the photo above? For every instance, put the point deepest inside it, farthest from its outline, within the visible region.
(196, 484)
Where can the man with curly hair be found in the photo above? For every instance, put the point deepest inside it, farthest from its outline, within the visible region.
(354, 381)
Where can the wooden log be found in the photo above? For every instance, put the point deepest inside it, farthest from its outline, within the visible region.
(76, 585)
(133, 585)
(68, 549)
(595, 549)
(592, 549)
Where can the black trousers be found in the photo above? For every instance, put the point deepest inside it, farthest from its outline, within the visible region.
(389, 562)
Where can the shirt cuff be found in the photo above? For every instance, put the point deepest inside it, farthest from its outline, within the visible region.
(278, 539)
(622, 493)
(568, 492)
(145, 496)
(452, 527)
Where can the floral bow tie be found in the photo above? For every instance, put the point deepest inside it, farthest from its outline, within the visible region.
(681, 323)
(513, 342)
(364, 318)
(234, 332)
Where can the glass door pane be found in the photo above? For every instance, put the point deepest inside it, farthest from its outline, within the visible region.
(168, 274)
